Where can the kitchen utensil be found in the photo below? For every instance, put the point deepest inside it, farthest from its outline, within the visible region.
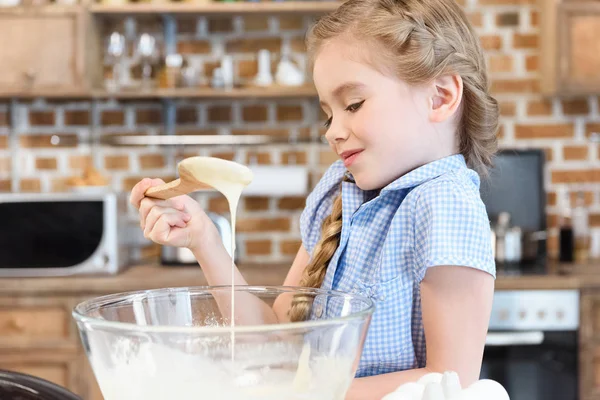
(175, 343)
(288, 73)
(595, 243)
(147, 51)
(227, 71)
(196, 173)
(264, 77)
(115, 51)
(217, 81)
(531, 244)
(172, 71)
(189, 76)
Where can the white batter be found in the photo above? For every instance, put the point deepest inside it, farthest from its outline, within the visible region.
(151, 371)
(230, 179)
(145, 369)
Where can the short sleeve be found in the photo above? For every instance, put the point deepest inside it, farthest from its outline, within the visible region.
(451, 227)
(319, 204)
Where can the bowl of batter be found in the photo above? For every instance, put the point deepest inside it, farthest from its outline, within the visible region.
(191, 344)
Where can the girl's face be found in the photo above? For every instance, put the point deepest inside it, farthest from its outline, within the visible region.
(378, 125)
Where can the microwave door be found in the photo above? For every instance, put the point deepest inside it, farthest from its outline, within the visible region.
(49, 234)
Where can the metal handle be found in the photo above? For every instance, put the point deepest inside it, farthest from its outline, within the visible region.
(185, 140)
(200, 140)
(497, 339)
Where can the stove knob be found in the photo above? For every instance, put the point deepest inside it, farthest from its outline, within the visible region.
(522, 314)
(503, 315)
(560, 315)
(541, 314)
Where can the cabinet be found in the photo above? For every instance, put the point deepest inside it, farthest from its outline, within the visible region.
(42, 50)
(56, 51)
(570, 47)
(589, 346)
(39, 338)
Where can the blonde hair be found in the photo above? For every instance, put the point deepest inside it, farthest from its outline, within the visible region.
(416, 41)
(314, 274)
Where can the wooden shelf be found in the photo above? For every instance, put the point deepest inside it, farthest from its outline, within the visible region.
(209, 93)
(257, 92)
(45, 93)
(37, 10)
(218, 7)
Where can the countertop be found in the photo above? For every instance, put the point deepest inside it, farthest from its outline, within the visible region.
(150, 276)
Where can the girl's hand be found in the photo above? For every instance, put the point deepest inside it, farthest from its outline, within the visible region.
(178, 222)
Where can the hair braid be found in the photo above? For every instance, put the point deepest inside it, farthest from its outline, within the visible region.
(314, 274)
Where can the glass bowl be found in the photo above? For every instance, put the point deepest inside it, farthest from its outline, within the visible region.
(176, 343)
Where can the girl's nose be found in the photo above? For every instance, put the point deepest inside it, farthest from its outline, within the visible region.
(337, 132)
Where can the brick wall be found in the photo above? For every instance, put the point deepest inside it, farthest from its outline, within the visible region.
(268, 227)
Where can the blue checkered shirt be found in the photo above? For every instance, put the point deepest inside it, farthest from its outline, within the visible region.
(430, 216)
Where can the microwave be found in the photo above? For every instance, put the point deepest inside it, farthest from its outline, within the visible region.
(62, 234)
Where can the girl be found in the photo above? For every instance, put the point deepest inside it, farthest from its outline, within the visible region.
(399, 217)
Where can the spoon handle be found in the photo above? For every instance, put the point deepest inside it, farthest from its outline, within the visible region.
(167, 190)
(174, 188)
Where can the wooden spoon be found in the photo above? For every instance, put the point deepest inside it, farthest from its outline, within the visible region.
(201, 173)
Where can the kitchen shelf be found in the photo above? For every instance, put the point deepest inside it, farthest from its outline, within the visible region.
(40, 10)
(200, 140)
(207, 92)
(184, 93)
(191, 7)
(45, 93)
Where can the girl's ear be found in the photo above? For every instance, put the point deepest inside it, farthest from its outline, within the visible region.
(445, 98)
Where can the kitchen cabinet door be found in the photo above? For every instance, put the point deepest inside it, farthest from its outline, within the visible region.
(53, 366)
(570, 47)
(42, 51)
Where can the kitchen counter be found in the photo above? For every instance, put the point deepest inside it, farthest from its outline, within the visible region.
(558, 276)
(150, 276)
(35, 315)
(135, 277)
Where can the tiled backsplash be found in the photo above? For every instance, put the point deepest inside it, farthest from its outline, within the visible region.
(269, 226)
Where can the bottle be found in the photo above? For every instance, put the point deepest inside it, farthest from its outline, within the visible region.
(595, 243)
(227, 72)
(566, 240)
(513, 245)
(500, 230)
(581, 229)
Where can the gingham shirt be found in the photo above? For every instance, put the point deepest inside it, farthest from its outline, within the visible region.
(430, 216)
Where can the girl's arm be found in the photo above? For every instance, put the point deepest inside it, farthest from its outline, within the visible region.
(456, 306)
(249, 310)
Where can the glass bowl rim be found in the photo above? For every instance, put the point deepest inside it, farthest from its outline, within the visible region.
(80, 310)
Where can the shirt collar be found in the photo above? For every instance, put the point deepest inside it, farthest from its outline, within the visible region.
(427, 172)
(424, 173)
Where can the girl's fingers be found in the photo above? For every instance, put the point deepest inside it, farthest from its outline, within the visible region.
(164, 225)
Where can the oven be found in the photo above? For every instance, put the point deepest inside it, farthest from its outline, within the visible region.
(532, 344)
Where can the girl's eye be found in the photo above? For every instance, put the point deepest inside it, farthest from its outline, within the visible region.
(354, 107)
(351, 108)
